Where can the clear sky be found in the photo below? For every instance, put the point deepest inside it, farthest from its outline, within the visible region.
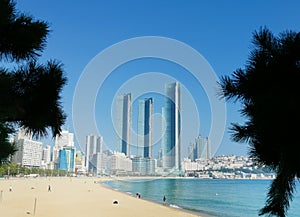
(220, 31)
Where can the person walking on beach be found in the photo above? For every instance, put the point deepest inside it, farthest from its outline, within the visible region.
(164, 200)
(49, 188)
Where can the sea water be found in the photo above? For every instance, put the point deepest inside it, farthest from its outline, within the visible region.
(215, 197)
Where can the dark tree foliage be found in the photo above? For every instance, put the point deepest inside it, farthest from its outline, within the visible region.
(268, 89)
(20, 36)
(30, 93)
(5, 146)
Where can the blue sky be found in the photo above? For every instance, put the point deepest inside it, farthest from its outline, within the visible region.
(220, 31)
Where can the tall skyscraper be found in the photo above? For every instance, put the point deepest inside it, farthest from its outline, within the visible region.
(199, 149)
(208, 148)
(123, 128)
(94, 145)
(145, 128)
(171, 141)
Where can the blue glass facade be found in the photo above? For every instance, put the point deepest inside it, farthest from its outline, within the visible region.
(62, 163)
(171, 141)
(145, 128)
(66, 159)
(143, 166)
(124, 113)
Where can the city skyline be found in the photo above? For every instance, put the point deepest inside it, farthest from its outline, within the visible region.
(116, 163)
(200, 51)
(95, 160)
(145, 127)
(220, 31)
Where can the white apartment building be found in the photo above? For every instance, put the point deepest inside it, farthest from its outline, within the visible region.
(46, 157)
(118, 162)
(47, 154)
(187, 164)
(29, 153)
(98, 163)
(55, 155)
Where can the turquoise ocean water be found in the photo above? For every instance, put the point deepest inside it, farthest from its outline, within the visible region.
(215, 197)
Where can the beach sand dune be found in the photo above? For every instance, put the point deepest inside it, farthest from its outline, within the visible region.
(74, 197)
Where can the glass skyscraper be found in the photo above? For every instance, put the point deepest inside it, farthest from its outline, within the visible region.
(145, 128)
(199, 149)
(123, 127)
(171, 141)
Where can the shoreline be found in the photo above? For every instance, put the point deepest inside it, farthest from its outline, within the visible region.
(182, 209)
(76, 197)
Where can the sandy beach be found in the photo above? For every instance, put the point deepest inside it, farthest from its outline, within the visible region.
(74, 197)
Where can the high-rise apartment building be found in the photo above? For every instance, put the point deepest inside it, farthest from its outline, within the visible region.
(171, 141)
(94, 145)
(145, 128)
(55, 154)
(123, 125)
(47, 154)
(29, 152)
(119, 163)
